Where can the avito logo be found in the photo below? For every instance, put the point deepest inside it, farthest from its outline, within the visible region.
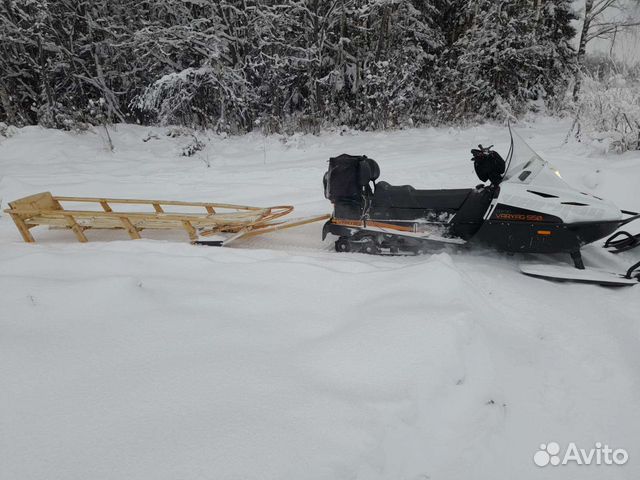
(550, 454)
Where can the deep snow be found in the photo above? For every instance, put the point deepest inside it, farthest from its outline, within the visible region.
(280, 359)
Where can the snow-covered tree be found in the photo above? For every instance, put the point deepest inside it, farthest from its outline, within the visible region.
(278, 65)
(197, 71)
(506, 55)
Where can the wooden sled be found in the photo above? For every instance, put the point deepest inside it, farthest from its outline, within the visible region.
(215, 218)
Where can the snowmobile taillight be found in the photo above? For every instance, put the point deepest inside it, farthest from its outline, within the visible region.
(544, 232)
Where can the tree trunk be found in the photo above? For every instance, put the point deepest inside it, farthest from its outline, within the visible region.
(582, 47)
(384, 31)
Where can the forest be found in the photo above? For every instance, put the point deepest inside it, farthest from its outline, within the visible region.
(290, 65)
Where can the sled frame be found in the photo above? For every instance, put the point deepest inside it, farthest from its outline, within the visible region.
(44, 209)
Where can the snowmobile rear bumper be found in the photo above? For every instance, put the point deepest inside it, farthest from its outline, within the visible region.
(335, 229)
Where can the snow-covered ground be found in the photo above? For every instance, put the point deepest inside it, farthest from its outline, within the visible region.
(281, 359)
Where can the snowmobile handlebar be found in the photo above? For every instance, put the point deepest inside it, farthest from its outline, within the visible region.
(480, 152)
(488, 164)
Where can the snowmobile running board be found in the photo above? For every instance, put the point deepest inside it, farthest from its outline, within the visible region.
(239, 221)
(389, 228)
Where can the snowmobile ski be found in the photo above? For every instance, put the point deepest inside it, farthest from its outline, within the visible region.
(570, 274)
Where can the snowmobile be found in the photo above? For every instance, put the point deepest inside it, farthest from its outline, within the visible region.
(526, 207)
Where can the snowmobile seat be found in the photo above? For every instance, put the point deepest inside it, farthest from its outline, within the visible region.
(406, 196)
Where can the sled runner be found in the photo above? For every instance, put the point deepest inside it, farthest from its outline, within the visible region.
(135, 216)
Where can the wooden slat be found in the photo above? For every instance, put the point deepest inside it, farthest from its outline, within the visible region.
(218, 218)
(105, 206)
(210, 209)
(77, 230)
(130, 227)
(142, 224)
(285, 225)
(158, 208)
(22, 228)
(193, 235)
(39, 201)
(129, 201)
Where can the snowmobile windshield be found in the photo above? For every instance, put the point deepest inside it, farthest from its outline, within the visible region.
(524, 164)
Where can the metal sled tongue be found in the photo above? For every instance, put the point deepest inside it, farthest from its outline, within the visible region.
(571, 274)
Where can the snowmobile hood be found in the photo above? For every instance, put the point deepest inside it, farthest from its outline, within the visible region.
(532, 183)
(570, 205)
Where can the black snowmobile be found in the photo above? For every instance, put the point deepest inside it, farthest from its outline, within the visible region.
(526, 207)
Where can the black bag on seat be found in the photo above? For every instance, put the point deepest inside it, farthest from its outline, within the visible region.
(348, 176)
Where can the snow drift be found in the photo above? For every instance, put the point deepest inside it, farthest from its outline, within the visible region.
(280, 359)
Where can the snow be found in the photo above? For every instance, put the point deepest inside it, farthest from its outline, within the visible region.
(281, 359)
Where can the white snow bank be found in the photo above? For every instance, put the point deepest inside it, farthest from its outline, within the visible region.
(280, 359)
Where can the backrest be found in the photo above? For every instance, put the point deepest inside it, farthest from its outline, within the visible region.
(39, 201)
(348, 176)
(369, 171)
